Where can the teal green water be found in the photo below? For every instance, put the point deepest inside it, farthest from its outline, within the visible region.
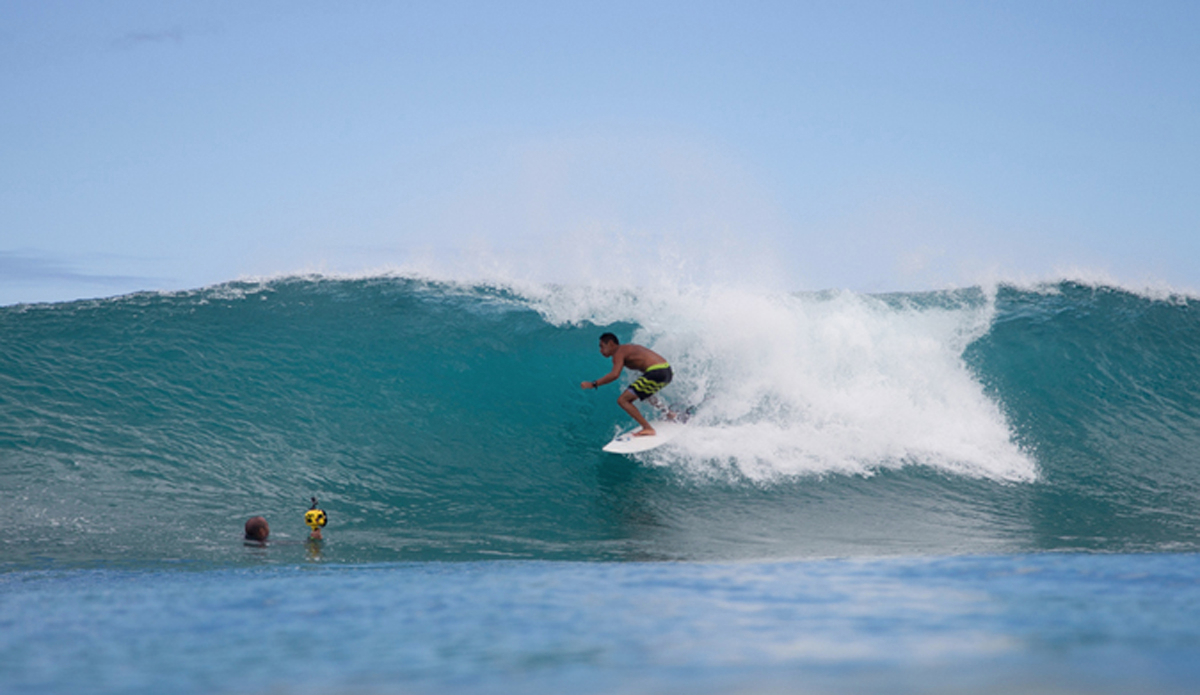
(987, 490)
(440, 421)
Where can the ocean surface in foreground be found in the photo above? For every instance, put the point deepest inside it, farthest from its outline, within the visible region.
(1073, 623)
(984, 490)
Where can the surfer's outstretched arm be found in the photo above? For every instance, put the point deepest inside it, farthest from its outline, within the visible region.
(618, 365)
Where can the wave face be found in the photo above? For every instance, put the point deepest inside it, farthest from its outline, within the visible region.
(445, 421)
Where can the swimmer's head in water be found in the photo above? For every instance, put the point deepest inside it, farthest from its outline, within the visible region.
(257, 529)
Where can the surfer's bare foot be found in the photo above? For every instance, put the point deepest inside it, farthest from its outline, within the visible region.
(645, 432)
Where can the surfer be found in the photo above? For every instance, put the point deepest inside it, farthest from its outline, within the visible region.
(656, 374)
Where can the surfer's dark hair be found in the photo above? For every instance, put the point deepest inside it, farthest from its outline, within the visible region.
(609, 338)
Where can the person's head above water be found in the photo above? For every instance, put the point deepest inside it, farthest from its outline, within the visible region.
(257, 529)
(609, 344)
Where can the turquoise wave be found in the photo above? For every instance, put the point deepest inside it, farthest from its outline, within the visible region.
(1101, 386)
(444, 421)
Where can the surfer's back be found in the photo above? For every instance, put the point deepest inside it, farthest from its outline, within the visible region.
(638, 357)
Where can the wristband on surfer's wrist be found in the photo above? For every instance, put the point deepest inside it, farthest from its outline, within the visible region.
(594, 386)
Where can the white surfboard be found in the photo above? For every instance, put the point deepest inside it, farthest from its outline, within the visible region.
(626, 443)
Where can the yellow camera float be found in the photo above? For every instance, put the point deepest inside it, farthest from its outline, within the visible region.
(315, 518)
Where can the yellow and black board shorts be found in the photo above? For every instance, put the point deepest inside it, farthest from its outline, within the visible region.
(651, 381)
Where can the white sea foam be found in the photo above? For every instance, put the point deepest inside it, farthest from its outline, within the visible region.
(815, 383)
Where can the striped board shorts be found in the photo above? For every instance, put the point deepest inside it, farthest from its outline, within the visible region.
(651, 381)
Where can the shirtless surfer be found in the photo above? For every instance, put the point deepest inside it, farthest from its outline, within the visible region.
(656, 374)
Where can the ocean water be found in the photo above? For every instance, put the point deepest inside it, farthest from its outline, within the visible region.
(991, 489)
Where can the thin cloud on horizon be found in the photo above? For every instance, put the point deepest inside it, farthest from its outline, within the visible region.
(136, 38)
(23, 267)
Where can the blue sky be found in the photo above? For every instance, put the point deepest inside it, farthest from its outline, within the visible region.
(871, 146)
